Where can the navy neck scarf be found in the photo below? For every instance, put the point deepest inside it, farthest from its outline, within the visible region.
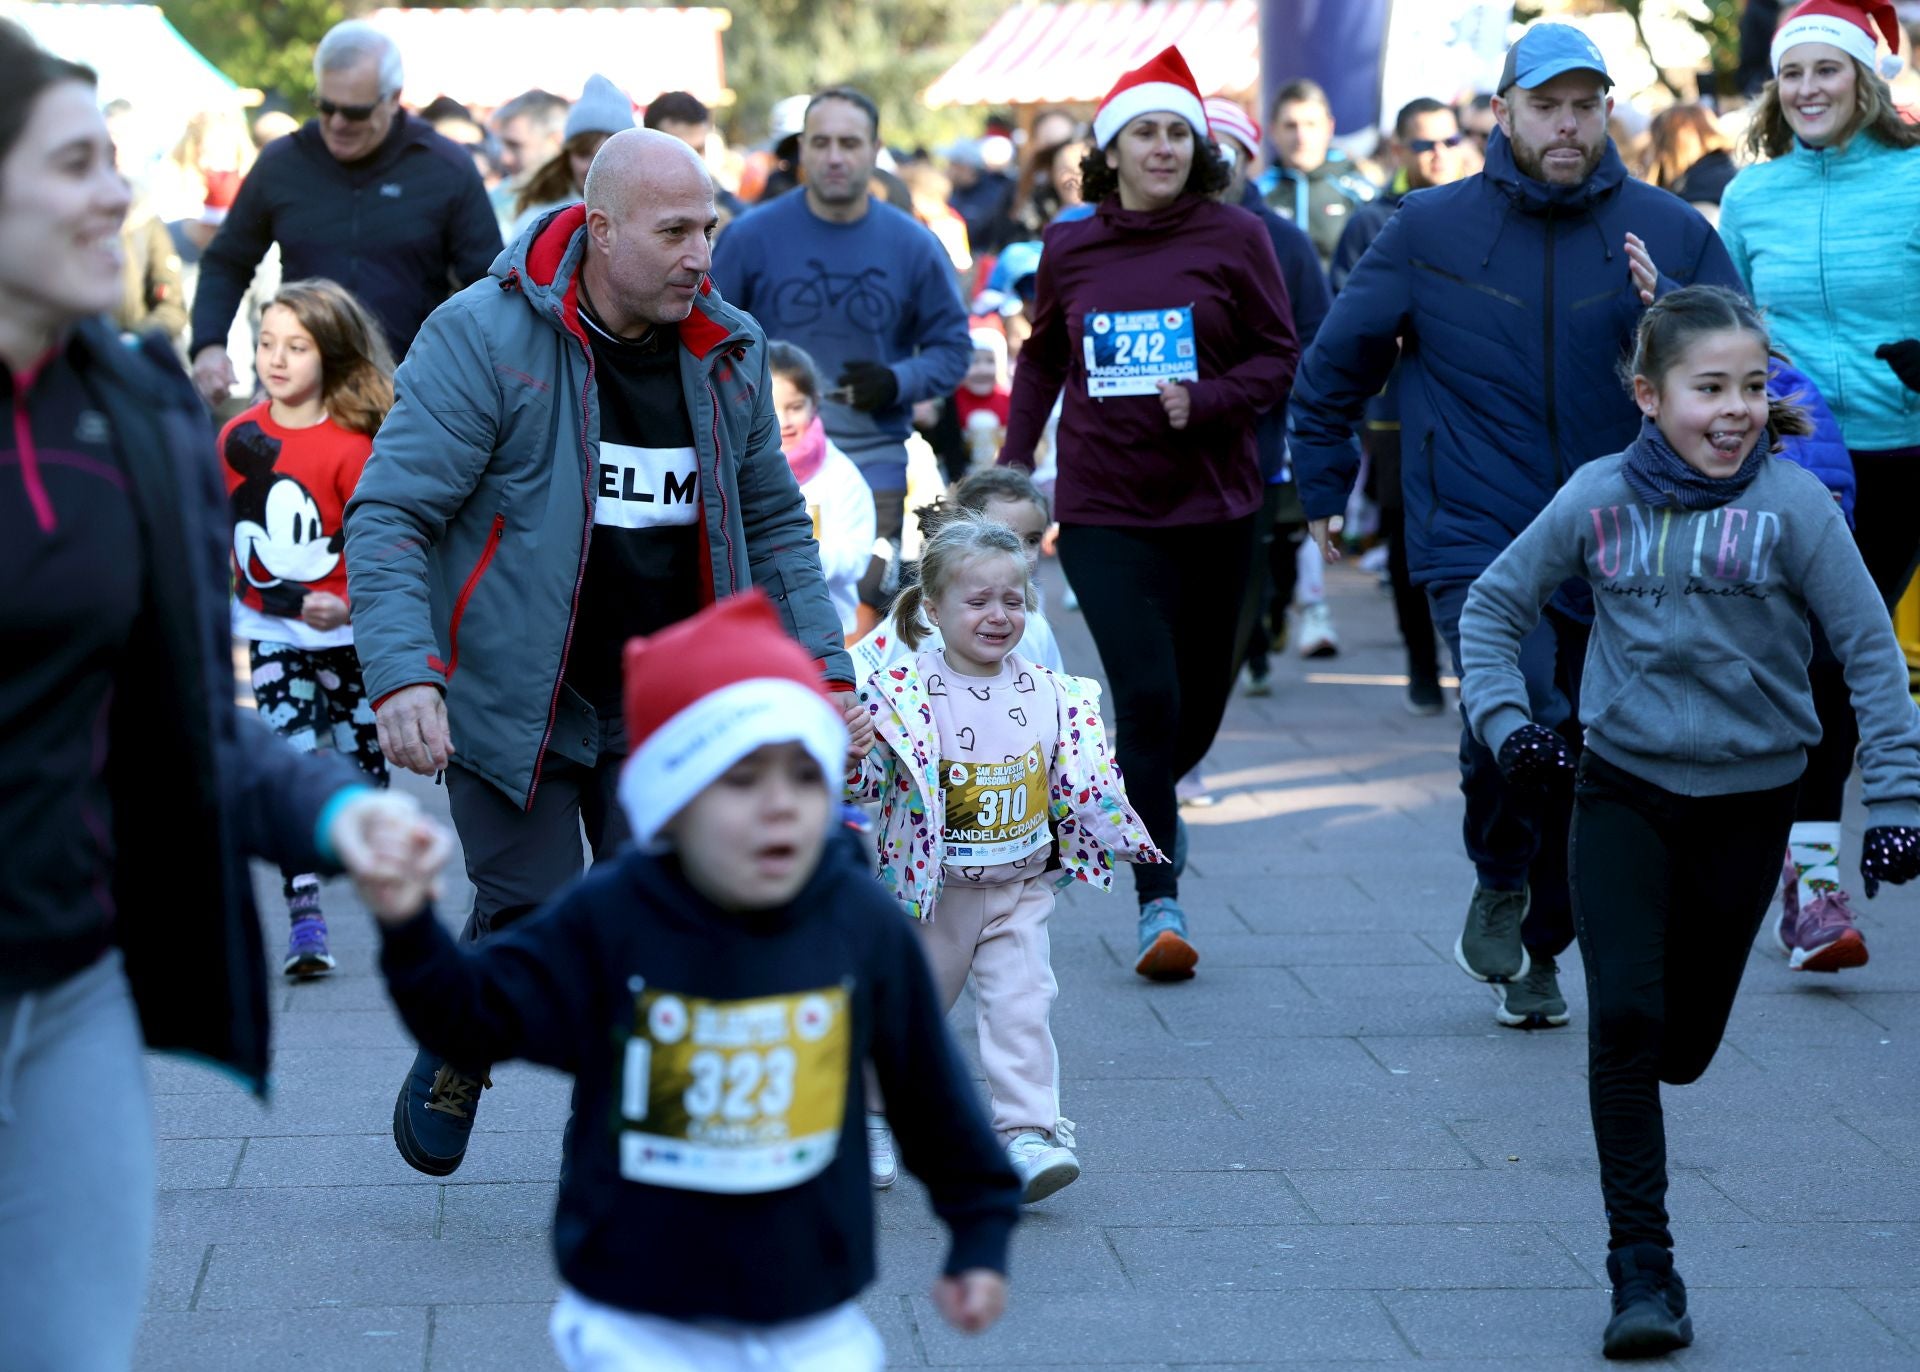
(1661, 477)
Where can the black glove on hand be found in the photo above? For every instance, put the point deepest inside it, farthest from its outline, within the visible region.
(1904, 358)
(873, 386)
(1535, 756)
(1892, 855)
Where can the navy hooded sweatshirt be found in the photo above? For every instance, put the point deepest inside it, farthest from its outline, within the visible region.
(716, 1162)
(1509, 305)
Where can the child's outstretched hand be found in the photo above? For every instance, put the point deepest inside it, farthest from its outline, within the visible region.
(859, 725)
(972, 1301)
(1892, 855)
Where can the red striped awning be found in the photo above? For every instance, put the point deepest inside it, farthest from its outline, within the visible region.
(1062, 54)
(484, 58)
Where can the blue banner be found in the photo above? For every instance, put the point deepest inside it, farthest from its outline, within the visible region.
(1337, 43)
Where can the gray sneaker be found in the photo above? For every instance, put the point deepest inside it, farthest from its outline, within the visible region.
(1534, 1001)
(1489, 948)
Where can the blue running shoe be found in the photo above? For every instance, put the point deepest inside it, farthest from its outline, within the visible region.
(433, 1118)
(1165, 954)
(307, 955)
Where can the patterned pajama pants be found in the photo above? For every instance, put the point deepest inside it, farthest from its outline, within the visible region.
(314, 698)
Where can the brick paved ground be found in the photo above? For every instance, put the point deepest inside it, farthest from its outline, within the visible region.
(1320, 1153)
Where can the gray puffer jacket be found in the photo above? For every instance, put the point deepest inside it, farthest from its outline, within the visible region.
(467, 537)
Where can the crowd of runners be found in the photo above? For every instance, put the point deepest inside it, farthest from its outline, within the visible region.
(704, 521)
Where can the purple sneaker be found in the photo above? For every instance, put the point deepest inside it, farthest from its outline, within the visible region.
(307, 954)
(1819, 937)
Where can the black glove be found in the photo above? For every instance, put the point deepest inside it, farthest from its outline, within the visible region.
(870, 385)
(1535, 756)
(1892, 855)
(1904, 358)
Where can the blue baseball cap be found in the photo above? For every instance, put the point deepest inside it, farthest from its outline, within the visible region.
(1549, 50)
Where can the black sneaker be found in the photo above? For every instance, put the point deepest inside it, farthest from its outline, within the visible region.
(1424, 696)
(433, 1118)
(1649, 1304)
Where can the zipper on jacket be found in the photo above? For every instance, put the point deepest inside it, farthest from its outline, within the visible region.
(1837, 402)
(472, 583)
(580, 575)
(733, 576)
(30, 459)
(1553, 408)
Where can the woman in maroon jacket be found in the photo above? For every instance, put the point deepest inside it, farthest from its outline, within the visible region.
(1164, 319)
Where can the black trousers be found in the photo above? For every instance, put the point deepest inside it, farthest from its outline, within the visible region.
(517, 859)
(1887, 492)
(1275, 572)
(1668, 892)
(1164, 608)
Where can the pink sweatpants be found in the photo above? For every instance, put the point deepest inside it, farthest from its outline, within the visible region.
(999, 934)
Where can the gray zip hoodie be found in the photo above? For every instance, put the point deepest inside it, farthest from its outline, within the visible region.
(1696, 675)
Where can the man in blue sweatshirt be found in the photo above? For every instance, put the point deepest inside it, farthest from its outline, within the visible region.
(866, 290)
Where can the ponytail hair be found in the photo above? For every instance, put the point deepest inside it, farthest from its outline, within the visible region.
(356, 367)
(1670, 324)
(962, 536)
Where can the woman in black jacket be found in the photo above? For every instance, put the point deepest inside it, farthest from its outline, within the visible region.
(131, 790)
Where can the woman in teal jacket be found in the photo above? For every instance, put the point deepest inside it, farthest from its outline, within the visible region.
(1822, 231)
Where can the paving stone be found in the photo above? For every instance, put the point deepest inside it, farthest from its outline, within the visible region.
(466, 1337)
(185, 1164)
(1052, 1253)
(365, 1339)
(245, 1214)
(1286, 1327)
(174, 1273)
(1504, 1192)
(296, 1274)
(498, 1211)
(1799, 1192)
(1344, 1257)
(371, 1160)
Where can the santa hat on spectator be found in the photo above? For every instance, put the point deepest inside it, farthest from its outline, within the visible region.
(1847, 25)
(1228, 120)
(704, 693)
(1164, 85)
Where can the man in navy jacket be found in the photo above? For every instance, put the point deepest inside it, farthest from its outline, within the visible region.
(1508, 300)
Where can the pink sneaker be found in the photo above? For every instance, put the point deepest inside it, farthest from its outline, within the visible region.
(1820, 937)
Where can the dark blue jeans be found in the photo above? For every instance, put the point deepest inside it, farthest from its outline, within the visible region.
(1518, 841)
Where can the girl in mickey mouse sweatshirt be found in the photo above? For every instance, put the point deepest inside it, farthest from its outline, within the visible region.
(985, 764)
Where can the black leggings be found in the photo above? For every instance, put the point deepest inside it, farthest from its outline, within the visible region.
(1887, 492)
(1668, 892)
(1163, 605)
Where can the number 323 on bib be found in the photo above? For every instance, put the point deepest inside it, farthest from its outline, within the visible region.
(734, 1096)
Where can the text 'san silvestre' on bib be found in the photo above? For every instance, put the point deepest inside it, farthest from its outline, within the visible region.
(646, 488)
(996, 811)
(1130, 352)
(734, 1096)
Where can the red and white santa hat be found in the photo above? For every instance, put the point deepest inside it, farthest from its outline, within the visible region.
(704, 693)
(1848, 25)
(1164, 85)
(1228, 120)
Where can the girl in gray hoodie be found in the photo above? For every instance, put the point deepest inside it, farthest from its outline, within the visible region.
(1706, 557)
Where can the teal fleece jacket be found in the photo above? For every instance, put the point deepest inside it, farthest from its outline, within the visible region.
(1696, 674)
(1825, 240)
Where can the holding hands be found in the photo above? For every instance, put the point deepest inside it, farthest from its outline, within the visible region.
(392, 851)
(1535, 757)
(1892, 855)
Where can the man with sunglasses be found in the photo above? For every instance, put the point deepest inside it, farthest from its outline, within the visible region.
(365, 193)
(1430, 149)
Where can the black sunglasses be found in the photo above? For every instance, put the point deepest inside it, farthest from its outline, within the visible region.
(1429, 144)
(357, 114)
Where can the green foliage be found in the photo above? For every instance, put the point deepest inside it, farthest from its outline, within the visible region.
(266, 44)
(892, 49)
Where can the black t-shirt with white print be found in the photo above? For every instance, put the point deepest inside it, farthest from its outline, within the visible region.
(643, 565)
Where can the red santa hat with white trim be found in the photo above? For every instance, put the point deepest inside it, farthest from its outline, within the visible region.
(1846, 24)
(704, 693)
(1164, 85)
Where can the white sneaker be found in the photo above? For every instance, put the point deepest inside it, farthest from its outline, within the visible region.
(1045, 1164)
(881, 1166)
(1313, 629)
